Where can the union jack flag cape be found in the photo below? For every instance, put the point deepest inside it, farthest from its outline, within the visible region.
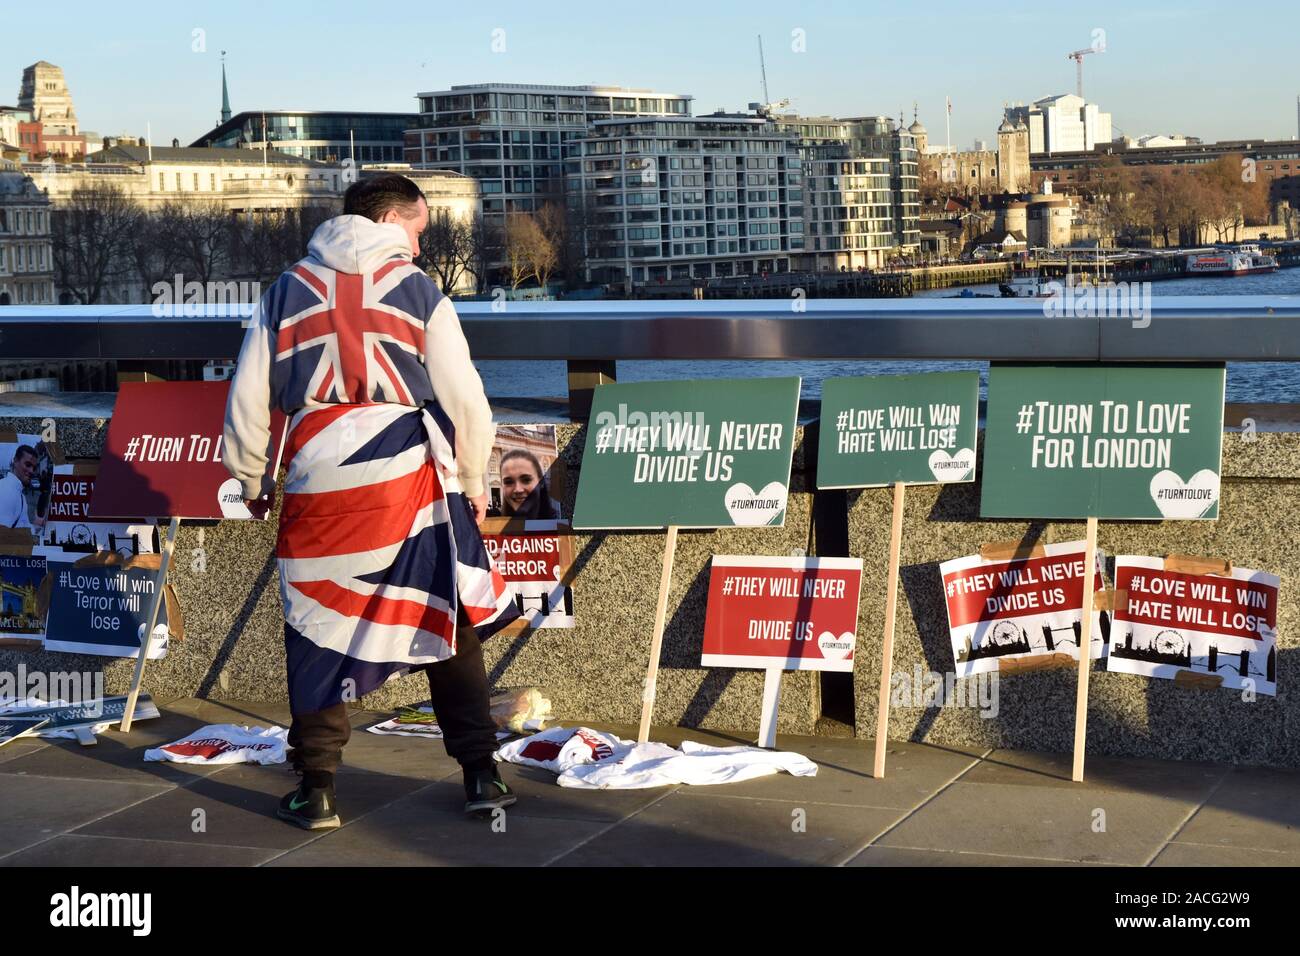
(378, 550)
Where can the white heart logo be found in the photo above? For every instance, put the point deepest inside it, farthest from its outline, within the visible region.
(1191, 500)
(750, 509)
(956, 467)
(231, 498)
(835, 648)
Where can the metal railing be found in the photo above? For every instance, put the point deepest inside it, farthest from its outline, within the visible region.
(1178, 329)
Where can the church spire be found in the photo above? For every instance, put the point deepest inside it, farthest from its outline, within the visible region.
(225, 91)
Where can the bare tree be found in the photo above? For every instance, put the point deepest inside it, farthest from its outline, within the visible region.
(546, 251)
(550, 256)
(447, 249)
(90, 233)
(202, 233)
(487, 246)
(525, 247)
(154, 256)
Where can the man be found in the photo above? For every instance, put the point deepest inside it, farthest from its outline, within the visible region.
(382, 567)
(13, 501)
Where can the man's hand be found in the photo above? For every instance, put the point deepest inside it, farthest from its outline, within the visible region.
(479, 504)
(258, 507)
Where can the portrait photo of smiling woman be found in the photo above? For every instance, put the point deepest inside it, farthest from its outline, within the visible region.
(520, 474)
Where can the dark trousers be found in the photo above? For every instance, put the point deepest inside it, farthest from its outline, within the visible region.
(458, 688)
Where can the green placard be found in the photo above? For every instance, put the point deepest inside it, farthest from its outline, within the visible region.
(914, 429)
(697, 454)
(1104, 441)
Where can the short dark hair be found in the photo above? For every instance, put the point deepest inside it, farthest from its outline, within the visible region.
(375, 195)
(20, 451)
(527, 456)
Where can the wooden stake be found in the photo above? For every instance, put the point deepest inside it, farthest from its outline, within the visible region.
(887, 648)
(657, 642)
(1085, 651)
(160, 584)
(771, 701)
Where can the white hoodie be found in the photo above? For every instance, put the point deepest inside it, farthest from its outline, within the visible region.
(356, 245)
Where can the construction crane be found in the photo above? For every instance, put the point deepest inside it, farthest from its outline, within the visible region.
(767, 107)
(1077, 56)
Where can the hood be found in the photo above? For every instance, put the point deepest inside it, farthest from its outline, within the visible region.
(357, 245)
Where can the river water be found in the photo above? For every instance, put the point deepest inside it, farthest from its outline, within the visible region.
(1247, 381)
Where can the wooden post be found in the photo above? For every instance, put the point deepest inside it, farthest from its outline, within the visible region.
(160, 584)
(887, 647)
(657, 642)
(771, 701)
(1085, 651)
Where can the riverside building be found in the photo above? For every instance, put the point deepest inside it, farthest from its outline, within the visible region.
(686, 197)
(863, 191)
(26, 254)
(511, 136)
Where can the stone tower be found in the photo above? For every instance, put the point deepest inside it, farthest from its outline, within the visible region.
(920, 135)
(45, 93)
(1013, 156)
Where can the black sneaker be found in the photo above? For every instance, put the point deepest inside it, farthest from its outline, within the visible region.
(310, 808)
(486, 791)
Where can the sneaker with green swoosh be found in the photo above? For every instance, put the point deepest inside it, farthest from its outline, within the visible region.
(310, 808)
(485, 791)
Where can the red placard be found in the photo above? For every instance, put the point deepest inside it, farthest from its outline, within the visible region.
(788, 613)
(1240, 608)
(1172, 622)
(1013, 589)
(1019, 607)
(70, 497)
(536, 560)
(163, 454)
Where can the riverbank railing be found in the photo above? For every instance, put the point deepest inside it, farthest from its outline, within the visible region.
(592, 337)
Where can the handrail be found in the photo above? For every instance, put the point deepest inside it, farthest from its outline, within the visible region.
(1178, 328)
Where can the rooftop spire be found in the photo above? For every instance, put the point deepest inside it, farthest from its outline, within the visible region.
(225, 92)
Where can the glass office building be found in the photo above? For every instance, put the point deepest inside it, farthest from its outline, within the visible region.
(328, 137)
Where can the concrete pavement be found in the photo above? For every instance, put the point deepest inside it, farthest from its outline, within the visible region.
(66, 805)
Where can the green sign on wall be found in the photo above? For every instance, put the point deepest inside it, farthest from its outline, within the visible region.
(697, 454)
(914, 429)
(1106, 441)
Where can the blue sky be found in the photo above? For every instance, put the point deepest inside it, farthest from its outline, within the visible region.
(1219, 71)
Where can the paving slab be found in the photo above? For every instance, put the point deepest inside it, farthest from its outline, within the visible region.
(1188, 780)
(902, 856)
(418, 831)
(34, 809)
(540, 796)
(913, 773)
(116, 756)
(239, 804)
(1252, 809)
(1050, 823)
(78, 850)
(694, 828)
(21, 748)
(1196, 854)
(415, 757)
(232, 711)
